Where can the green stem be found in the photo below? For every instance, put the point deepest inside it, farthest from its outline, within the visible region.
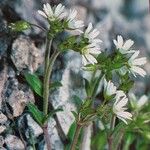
(47, 59)
(38, 26)
(46, 136)
(47, 54)
(75, 138)
(112, 126)
(48, 71)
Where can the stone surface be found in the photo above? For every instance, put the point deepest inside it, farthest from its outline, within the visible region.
(3, 78)
(37, 130)
(3, 118)
(14, 143)
(2, 129)
(4, 38)
(1, 141)
(25, 55)
(18, 100)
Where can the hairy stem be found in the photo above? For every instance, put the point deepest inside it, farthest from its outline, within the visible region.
(43, 29)
(112, 125)
(75, 138)
(49, 62)
(46, 136)
(60, 131)
(47, 81)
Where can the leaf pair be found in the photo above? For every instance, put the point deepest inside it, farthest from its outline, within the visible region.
(38, 115)
(36, 84)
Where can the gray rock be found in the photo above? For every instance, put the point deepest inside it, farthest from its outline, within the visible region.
(4, 38)
(3, 118)
(18, 100)
(37, 130)
(25, 55)
(3, 78)
(2, 129)
(2, 148)
(1, 141)
(14, 143)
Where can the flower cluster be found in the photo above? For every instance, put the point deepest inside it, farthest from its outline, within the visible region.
(119, 109)
(93, 46)
(133, 64)
(57, 13)
(89, 44)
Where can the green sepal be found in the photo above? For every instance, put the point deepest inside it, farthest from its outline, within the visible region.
(19, 26)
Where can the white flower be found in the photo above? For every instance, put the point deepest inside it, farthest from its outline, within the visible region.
(53, 14)
(73, 23)
(87, 54)
(93, 48)
(124, 47)
(119, 108)
(134, 64)
(109, 88)
(138, 104)
(92, 34)
(142, 101)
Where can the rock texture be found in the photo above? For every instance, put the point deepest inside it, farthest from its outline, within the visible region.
(25, 55)
(18, 99)
(14, 143)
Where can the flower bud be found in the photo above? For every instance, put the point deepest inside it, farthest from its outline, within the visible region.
(19, 26)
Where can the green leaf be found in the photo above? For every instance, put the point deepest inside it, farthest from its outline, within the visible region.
(129, 138)
(51, 114)
(99, 141)
(77, 101)
(74, 114)
(35, 83)
(86, 104)
(55, 85)
(87, 87)
(36, 113)
(70, 134)
(95, 85)
(90, 67)
(19, 26)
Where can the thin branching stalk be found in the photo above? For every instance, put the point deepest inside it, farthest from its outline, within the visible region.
(59, 128)
(112, 126)
(47, 81)
(46, 136)
(43, 29)
(49, 62)
(75, 138)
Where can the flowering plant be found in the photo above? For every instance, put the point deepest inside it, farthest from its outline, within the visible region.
(112, 111)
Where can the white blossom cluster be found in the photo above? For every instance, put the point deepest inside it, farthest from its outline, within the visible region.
(91, 50)
(121, 101)
(59, 13)
(134, 63)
